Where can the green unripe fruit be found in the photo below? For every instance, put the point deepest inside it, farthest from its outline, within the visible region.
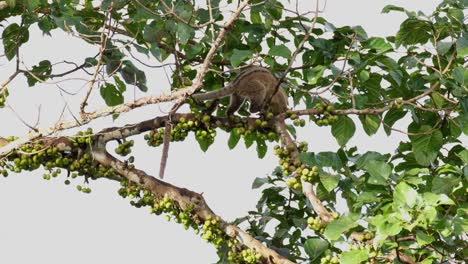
(206, 119)
(271, 135)
(335, 260)
(297, 186)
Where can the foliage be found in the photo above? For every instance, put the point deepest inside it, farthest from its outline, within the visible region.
(407, 207)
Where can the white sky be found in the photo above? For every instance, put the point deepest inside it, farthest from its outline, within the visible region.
(49, 222)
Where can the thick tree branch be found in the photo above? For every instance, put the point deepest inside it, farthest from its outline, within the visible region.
(307, 188)
(185, 199)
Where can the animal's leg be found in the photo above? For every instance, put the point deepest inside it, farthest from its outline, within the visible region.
(257, 101)
(234, 104)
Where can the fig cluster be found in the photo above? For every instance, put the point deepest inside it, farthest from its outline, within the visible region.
(244, 256)
(75, 161)
(324, 115)
(259, 129)
(82, 138)
(125, 148)
(294, 167)
(181, 129)
(316, 224)
(299, 122)
(330, 260)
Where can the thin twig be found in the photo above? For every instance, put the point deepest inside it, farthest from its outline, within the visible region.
(98, 67)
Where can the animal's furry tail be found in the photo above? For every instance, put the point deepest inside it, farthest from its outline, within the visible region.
(225, 91)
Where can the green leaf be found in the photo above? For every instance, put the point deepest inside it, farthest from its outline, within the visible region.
(413, 31)
(337, 227)
(434, 199)
(239, 56)
(423, 238)
(46, 24)
(354, 256)
(444, 183)
(249, 140)
(258, 182)
(13, 37)
(314, 74)
(329, 181)
(32, 4)
(120, 85)
(204, 143)
(360, 32)
(370, 123)
(233, 139)
(308, 158)
(365, 158)
(329, 159)
(255, 17)
(193, 50)
(40, 72)
(463, 155)
(280, 51)
(387, 225)
(404, 195)
(343, 129)
(11, 3)
(443, 47)
(261, 148)
(426, 146)
(389, 8)
(379, 172)
(111, 95)
(462, 45)
(314, 247)
(379, 44)
(459, 75)
(132, 75)
(184, 32)
(391, 117)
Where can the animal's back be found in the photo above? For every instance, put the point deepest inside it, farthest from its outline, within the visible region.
(254, 81)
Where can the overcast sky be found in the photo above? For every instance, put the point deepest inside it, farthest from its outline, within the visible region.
(49, 222)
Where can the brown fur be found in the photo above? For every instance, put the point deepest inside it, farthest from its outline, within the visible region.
(256, 84)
